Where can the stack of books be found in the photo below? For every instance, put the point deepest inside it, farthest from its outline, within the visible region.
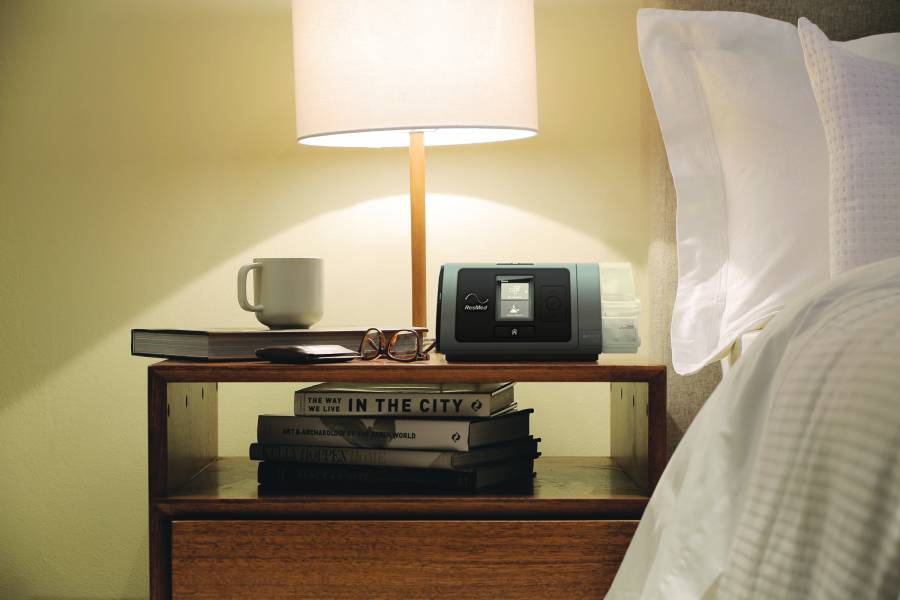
(374, 438)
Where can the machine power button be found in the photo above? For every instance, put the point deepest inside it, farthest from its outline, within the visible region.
(509, 333)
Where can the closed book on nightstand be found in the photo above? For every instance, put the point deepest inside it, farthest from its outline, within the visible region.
(240, 344)
(278, 476)
(422, 434)
(421, 459)
(438, 400)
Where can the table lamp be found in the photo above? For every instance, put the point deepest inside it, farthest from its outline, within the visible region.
(392, 73)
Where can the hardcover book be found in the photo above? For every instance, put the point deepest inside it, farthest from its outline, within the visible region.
(414, 400)
(418, 434)
(273, 476)
(420, 459)
(241, 344)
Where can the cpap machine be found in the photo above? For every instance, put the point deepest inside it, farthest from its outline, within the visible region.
(536, 311)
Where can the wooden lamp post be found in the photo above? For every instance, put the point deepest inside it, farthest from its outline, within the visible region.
(392, 73)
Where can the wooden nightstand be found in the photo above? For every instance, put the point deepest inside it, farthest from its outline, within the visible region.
(213, 536)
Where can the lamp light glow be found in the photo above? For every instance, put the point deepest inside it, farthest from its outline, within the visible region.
(396, 73)
(399, 138)
(367, 72)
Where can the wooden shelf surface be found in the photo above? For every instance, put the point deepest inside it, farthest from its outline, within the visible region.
(594, 501)
(570, 488)
(620, 368)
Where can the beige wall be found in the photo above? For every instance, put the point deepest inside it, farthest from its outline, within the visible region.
(146, 151)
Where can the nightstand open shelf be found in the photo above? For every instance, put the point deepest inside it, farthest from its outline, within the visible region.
(213, 535)
(575, 487)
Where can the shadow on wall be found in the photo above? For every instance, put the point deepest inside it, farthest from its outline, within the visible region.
(145, 141)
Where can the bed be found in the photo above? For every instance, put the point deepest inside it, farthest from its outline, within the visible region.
(785, 484)
(841, 20)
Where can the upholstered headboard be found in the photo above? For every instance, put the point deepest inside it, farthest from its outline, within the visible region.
(841, 20)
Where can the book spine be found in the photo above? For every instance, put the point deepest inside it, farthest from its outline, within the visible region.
(419, 459)
(298, 475)
(348, 432)
(361, 404)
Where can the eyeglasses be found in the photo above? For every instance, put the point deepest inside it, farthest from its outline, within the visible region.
(404, 346)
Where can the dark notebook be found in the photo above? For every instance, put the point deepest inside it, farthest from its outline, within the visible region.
(275, 476)
(378, 457)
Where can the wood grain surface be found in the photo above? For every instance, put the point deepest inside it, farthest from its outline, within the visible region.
(657, 448)
(463, 560)
(157, 475)
(417, 227)
(565, 488)
(435, 370)
(566, 543)
(624, 424)
(192, 414)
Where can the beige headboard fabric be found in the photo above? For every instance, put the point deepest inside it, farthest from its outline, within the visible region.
(841, 21)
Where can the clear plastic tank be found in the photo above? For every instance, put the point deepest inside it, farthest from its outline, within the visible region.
(620, 309)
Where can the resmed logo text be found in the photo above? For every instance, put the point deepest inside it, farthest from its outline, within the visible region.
(479, 304)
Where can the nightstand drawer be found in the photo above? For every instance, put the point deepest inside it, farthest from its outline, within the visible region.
(396, 559)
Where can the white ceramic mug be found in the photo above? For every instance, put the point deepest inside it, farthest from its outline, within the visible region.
(287, 291)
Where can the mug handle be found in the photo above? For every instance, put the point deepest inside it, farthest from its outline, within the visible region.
(242, 288)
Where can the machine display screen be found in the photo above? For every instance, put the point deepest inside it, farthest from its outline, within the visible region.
(516, 299)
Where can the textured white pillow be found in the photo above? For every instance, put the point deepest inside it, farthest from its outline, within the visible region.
(859, 103)
(750, 165)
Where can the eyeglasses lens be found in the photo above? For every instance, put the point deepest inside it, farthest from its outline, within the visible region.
(404, 345)
(371, 346)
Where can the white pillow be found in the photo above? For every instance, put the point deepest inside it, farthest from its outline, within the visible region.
(750, 166)
(859, 103)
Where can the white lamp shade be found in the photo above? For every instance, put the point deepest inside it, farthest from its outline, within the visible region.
(367, 72)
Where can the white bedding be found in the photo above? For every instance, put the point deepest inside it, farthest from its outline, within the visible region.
(740, 346)
(787, 484)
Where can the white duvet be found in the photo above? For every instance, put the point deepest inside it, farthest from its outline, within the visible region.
(787, 484)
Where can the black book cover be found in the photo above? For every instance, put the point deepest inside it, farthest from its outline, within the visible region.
(279, 476)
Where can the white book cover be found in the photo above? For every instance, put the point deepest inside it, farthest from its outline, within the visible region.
(422, 400)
